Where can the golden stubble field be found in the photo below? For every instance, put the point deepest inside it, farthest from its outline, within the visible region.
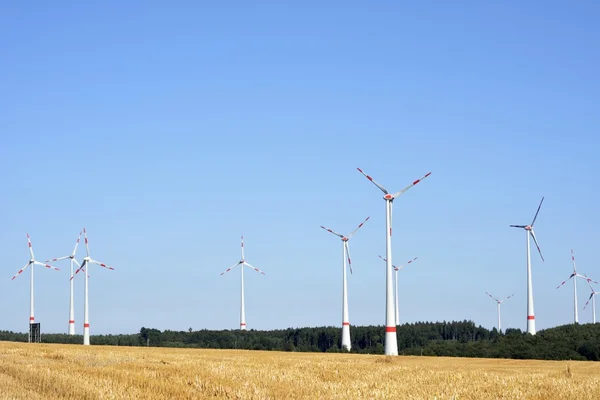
(46, 371)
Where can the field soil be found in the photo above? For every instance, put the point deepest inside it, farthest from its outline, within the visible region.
(48, 371)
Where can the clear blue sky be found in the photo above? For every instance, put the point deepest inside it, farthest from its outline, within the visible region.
(170, 130)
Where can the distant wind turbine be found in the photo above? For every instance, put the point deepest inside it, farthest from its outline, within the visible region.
(71, 302)
(87, 260)
(396, 269)
(243, 263)
(529, 232)
(346, 342)
(593, 298)
(574, 275)
(499, 302)
(32, 261)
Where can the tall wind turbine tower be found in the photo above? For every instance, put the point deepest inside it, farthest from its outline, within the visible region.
(391, 340)
(32, 261)
(87, 260)
(243, 263)
(529, 232)
(499, 302)
(346, 255)
(71, 299)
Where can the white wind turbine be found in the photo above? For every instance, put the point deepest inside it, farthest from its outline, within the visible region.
(396, 269)
(87, 260)
(499, 302)
(593, 298)
(71, 302)
(346, 251)
(575, 275)
(529, 231)
(243, 263)
(32, 261)
(391, 340)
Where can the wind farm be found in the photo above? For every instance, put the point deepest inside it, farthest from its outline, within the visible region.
(186, 177)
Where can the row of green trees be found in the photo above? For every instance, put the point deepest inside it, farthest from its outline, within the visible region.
(455, 339)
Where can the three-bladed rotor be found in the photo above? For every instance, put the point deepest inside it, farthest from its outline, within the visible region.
(499, 301)
(87, 259)
(32, 261)
(529, 228)
(242, 262)
(400, 267)
(346, 238)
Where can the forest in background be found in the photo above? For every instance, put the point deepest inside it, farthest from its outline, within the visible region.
(452, 339)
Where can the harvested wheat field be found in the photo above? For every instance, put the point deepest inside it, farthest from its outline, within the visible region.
(46, 371)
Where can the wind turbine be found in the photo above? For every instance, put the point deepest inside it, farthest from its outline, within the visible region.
(574, 275)
(391, 340)
(346, 251)
(396, 269)
(243, 263)
(593, 298)
(32, 261)
(529, 231)
(71, 304)
(87, 260)
(499, 302)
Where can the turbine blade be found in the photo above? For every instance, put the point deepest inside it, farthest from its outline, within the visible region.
(102, 265)
(492, 297)
(536, 243)
(45, 265)
(232, 267)
(348, 254)
(254, 268)
(21, 270)
(565, 281)
(330, 231)
(30, 247)
(411, 185)
(359, 226)
(536, 213)
(383, 258)
(586, 303)
(79, 265)
(588, 279)
(79, 269)
(384, 190)
(517, 226)
(402, 266)
(242, 247)
(57, 259)
(87, 249)
(509, 297)
(76, 244)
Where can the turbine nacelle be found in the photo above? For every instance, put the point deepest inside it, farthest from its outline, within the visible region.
(528, 228)
(388, 197)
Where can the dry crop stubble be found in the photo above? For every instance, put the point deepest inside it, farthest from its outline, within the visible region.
(45, 371)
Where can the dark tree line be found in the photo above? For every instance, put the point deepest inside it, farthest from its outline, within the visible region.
(453, 339)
